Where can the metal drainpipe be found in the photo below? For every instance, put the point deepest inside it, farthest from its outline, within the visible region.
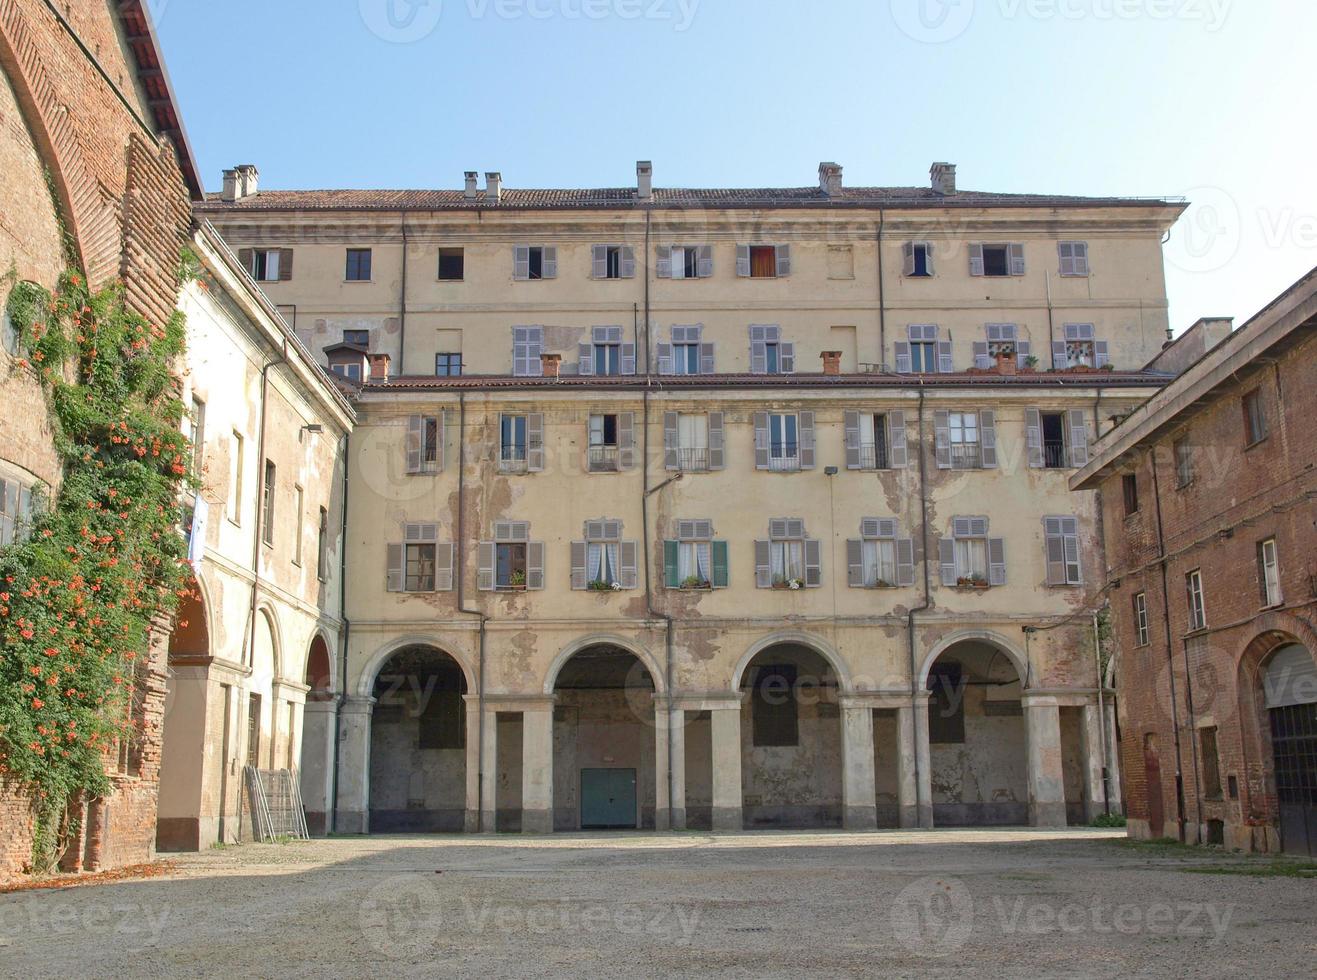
(924, 605)
(882, 304)
(1102, 716)
(1170, 653)
(1051, 357)
(343, 640)
(402, 300)
(461, 607)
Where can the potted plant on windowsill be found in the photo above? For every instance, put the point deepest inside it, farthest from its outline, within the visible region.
(1030, 365)
(695, 583)
(882, 583)
(601, 586)
(971, 582)
(781, 582)
(516, 582)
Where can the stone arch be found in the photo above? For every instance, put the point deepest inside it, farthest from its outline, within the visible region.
(371, 669)
(192, 639)
(1017, 658)
(816, 643)
(320, 667)
(267, 611)
(604, 639)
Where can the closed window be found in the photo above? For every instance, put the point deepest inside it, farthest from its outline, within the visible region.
(1000, 340)
(607, 358)
(694, 563)
(972, 560)
(267, 504)
(358, 265)
(452, 264)
(1080, 348)
(787, 562)
(1074, 258)
(1269, 573)
(360, 338)
(769, 354)
(693, 560)
(921, 352)
(512, 441)
(692, 442)
(963, 431)
(15, 511)
(1141, 619)
(1129, 487)
(1061, 544)
(420, 563)
(607, 353)
(788, 559)
(348, 369)
(420, 568)
(1255, 419)
(879, 562)
(299, 500)
(969, 557)
(1194, 591)
(448, 365)
(1184, 462)
(783, 442)
(235, 477)
(198, 434)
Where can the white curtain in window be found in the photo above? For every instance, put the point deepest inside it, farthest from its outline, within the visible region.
(611, 571)
(971, 558)
(692, 431)
(594, 561)
(866, 429)
(879, 559)
(786, 560)
(693, 561)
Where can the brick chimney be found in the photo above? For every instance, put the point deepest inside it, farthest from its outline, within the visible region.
(830, 178)
(644, 180)
(549, 364)
(943, 177)
(831, 361)
(470, 191)
(493, 187)
(379, 367)
(1007, 363)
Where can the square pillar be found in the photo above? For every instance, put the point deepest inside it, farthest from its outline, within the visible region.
(317, 770)
(353, 816)
(471, 808)
(662, 766)
(489, 777)
(726, 737)
(1091, 738)
(858, 793)
(537, 770)
(1046, 777)
(677, 767)
(1113, 758)
(914, 772)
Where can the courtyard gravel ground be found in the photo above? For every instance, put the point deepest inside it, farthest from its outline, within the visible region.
(1001, 903)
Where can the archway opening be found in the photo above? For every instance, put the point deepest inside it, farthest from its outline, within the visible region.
(791, 764)
(603, 742)
(317, 752)
(977, 741)
(1289, 698)
(319, 673)
(418, 743)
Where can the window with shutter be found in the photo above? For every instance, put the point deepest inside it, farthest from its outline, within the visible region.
(867, 438)
(613, 262)
(1074, 258)
(1081, 348)
(873, 559)
(692, 555)
(527, 344)
(1061, 536)
(918, 260)
(921, 354)
(789, 559)
(513, 448)
(969, 558)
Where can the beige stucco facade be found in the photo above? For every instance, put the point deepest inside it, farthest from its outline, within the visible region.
(538, 719)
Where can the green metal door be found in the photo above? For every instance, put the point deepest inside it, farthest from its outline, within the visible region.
(608, 799)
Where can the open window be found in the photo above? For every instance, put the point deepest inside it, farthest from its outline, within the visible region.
(763, 261)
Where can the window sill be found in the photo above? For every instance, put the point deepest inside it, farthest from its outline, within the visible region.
(972, 588)
(1280, 604)
(1196, 631)
(442, 279)
(509, 588)
(691, 588)
(1255, 443)
(350, 282)
(879, 586)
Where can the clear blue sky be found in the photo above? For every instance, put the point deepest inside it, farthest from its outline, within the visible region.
(1202, 98)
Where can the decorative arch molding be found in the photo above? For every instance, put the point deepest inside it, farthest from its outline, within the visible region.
(604, 639)
(1018, 660)
(323, 635)
(1272, 630)
(375, 663)
(92, 222)
(809, 640)
(267, 610)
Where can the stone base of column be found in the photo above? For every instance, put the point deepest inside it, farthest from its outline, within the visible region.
(471, 821)
(678, 818)
(1047, 815)
(727, 818)
(536, 821)
(860, 818)
(352, 822)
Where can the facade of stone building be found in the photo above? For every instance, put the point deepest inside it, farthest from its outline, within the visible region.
(97, 176)
(717, 508)
(1209, 504)
(251, 663)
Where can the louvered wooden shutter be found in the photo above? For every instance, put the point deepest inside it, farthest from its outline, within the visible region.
(706, 358)
(585, 359)
(786, 358)
(535, 442)
(485, 566)
(903, 365)
(535, 565)
(763, 565)
(443, 567)
(988, 438)
(1016, 252)
(663, 262)
(945, 365)
(285, 264)
(975, 262)
(758, 354)
(1033, 436)
(1078, 437)
(1054, 548)
(599, 261)
(905, 561)
(1060, 360)
(897, 453)
(1101, 354)
(813, 563)
(626, 440)
(946, 548)
(628, 262)
(627, 360)
(717, 455)
(928, 258)
(855, 563)
(761, 440)
(783, 260)
(981, 356)
(246, 257)
(942, 439)
(908, 254)
(851, 437)
(578, 565)
(721, 567)
(520, 261)
(628, 551)
(704, 261)
(743, 260)
(664, 358)
(671, 459)
(806, 436)
(549, 267)
(415, 431)
(393, 577)
(670, 564)
(996, 561)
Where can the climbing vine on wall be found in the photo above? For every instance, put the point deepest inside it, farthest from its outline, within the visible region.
(103, 555)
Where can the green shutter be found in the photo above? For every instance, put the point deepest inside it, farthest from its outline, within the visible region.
(720, 574)
(670, 565)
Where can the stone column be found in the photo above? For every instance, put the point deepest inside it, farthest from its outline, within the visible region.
(471, 807)
(677, 765)
(1113, 758)
(726, 737)
(915, 792)
(1094, 792)
(662, 764)
(353, 815)
(1042, 719)
(317, 764)
(537, 770)
(858, 793)
(489, 777)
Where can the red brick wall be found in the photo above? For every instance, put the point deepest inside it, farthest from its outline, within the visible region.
(70, 106)
(1238, 496)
